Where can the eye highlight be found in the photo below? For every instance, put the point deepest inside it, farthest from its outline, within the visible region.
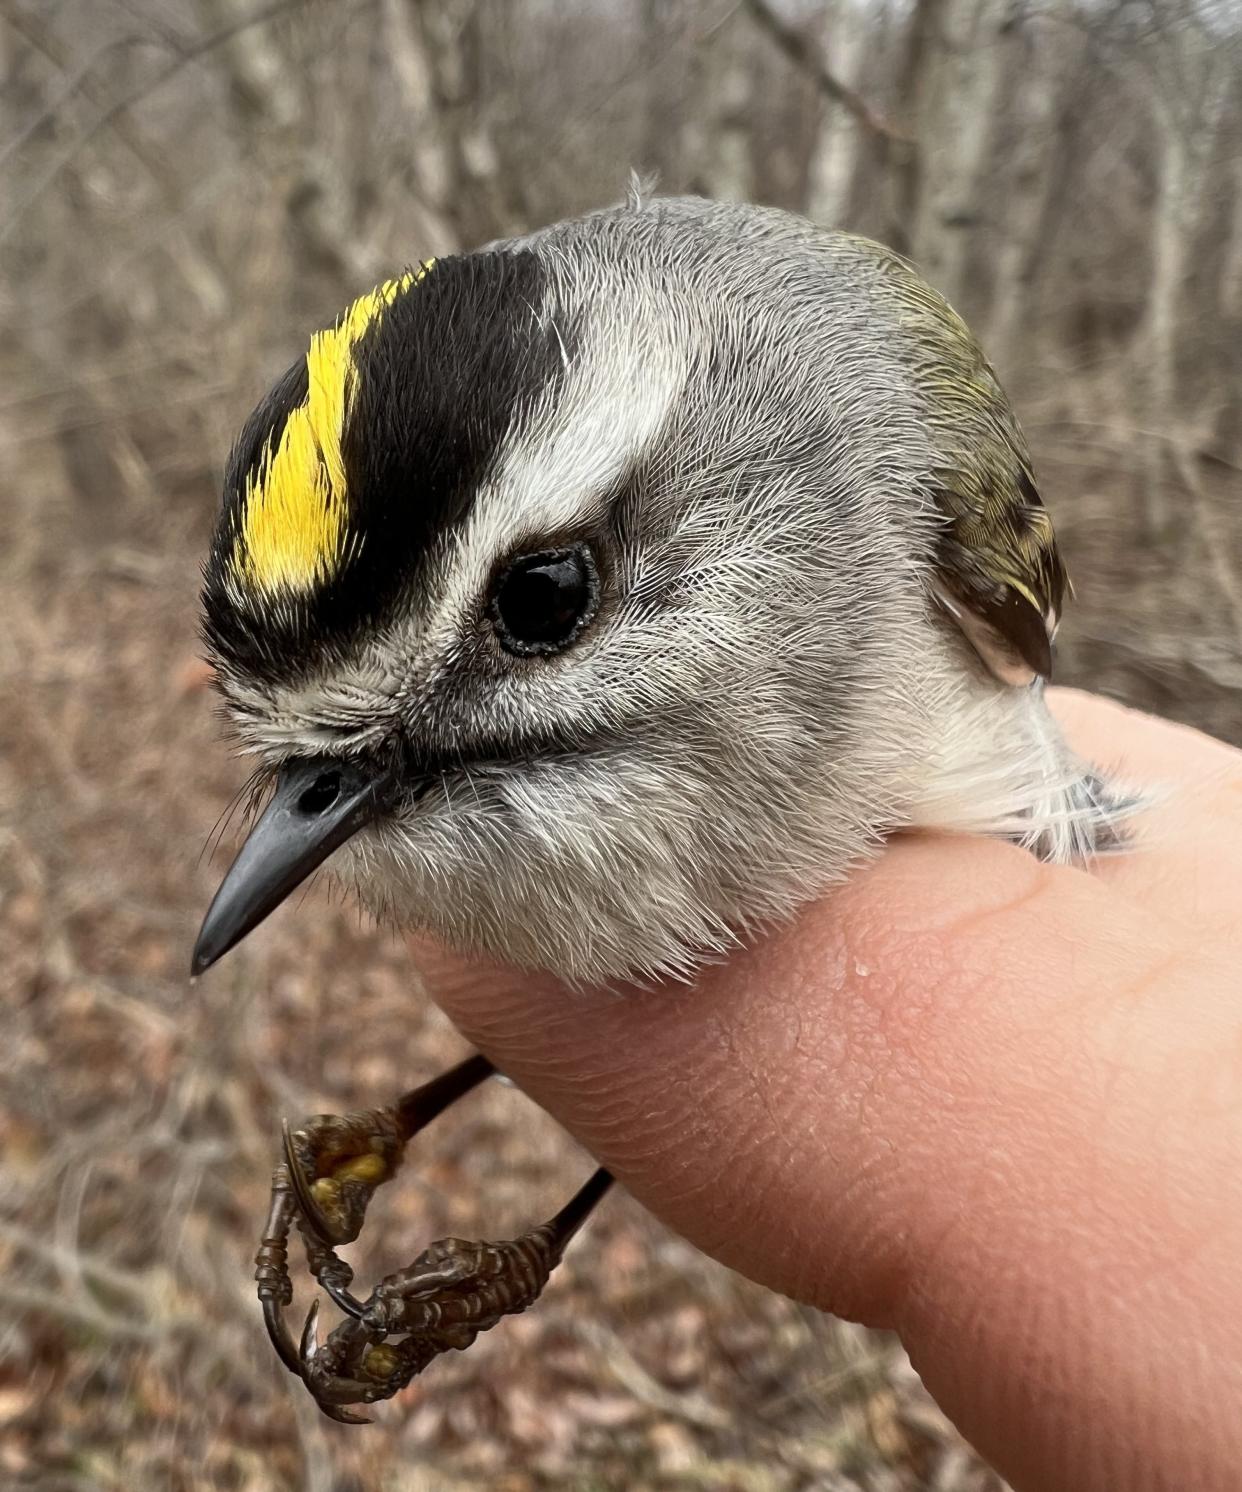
(542, 602)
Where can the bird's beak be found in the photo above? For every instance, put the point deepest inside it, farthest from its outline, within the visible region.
(318, 804)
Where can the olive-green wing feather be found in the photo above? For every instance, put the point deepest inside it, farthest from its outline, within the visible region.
(998, 572)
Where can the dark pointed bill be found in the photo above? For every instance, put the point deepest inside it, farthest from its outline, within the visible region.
(318, 804)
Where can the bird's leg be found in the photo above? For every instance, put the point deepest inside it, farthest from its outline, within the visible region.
(454, 1290)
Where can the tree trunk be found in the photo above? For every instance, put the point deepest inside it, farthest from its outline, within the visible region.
(1038, 63)
(716, 138)
(431, 164)
(955, 62)
(837, 149)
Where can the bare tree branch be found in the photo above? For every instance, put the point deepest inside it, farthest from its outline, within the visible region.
(190, 54)
(808, 58)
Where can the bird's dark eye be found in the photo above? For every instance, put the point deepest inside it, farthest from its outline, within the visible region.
(541, 602)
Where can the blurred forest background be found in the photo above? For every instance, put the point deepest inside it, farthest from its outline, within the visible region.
(187, 187)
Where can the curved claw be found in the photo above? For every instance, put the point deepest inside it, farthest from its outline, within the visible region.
(280, 1336)
(342, 1416)
(308, 1343)
(350, 1390)
(348, 1302)
(313, 1216)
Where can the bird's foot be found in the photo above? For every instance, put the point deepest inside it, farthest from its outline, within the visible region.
(453, 1290)
(336, 1161)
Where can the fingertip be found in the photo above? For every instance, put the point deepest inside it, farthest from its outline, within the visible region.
(1137, 746)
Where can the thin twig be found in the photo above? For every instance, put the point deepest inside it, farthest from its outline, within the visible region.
(193, 53)
(617, 1360)
(809, 59)
(77, 81)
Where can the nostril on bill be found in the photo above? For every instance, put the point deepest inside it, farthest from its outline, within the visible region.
(321, 794)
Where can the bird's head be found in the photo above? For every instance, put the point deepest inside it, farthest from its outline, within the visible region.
(556, 585)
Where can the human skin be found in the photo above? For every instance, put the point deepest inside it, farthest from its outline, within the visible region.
(992, 1104)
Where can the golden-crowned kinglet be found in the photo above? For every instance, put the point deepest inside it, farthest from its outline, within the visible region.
(608, 592)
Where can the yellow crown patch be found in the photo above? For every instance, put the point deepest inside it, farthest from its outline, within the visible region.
(294, 530)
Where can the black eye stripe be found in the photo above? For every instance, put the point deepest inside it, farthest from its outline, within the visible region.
(541, 602)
